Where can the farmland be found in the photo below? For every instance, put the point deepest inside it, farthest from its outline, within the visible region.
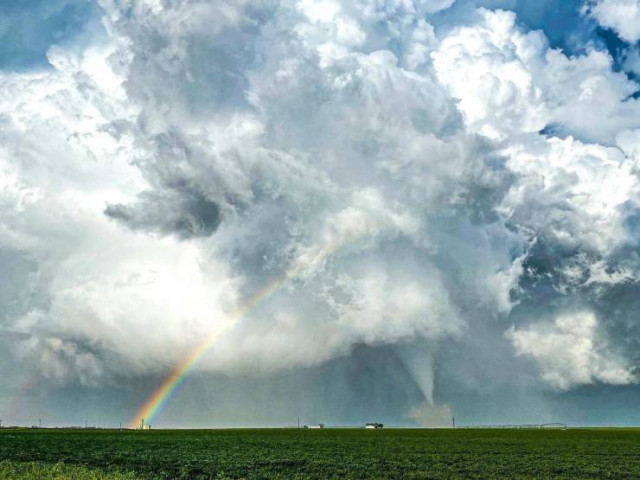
(329, 453)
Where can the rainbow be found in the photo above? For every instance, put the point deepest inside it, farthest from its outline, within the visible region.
(170, 385)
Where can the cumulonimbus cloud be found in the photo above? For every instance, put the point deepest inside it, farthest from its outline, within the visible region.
(161, 176)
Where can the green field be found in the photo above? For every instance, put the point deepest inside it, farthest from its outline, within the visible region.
(329, 453)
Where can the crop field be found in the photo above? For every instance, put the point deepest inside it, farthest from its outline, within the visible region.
(328, 453)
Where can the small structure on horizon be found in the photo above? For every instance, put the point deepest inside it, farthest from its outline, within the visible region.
(143, 426)
(320, 425)
(374, 425)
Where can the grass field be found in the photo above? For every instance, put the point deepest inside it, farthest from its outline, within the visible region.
(329, 453)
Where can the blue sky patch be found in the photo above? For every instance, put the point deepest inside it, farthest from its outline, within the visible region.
(29, 27)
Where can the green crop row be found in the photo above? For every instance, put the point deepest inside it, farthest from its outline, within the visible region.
(328, 453)
(10, 470)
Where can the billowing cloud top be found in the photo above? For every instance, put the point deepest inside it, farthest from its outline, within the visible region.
(422, 176)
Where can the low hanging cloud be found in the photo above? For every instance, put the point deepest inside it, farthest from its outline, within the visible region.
(186, 214)
(396, 185)
(570, 353)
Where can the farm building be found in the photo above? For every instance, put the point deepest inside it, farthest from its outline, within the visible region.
(373, 425)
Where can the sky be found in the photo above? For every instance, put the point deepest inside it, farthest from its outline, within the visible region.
(392, 211)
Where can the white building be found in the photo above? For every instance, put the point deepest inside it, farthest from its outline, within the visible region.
(373, 425)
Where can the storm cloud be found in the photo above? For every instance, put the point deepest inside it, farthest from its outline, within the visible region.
(450, 195)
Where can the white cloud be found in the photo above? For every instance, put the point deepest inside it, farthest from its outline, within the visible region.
(623, 16)
(107, 129)
(571, 192)
(570, 352)
(67, 153)
(510, 82)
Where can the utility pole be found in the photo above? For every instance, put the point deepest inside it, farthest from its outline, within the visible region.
(298, 422)
(39, 423)
(454, 421)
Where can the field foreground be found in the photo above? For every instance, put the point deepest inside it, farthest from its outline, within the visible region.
(329, 453)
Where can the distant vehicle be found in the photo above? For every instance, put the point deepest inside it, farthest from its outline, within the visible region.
(374, 425)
